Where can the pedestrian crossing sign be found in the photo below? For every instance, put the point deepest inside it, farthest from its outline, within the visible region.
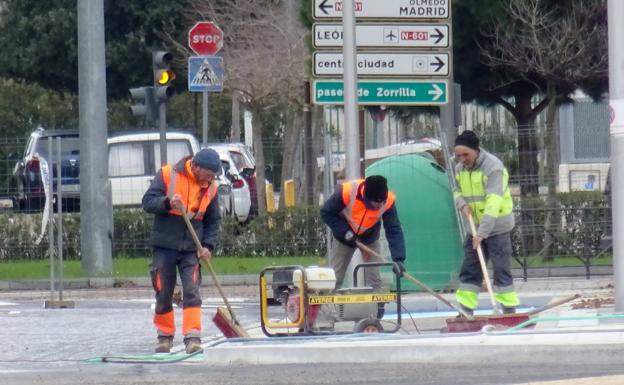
(205, 73)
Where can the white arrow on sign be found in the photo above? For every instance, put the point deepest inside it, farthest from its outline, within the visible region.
(390, 9)
(382, 64)
(384, 35)
(436, 92)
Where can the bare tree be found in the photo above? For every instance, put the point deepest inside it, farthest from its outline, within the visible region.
(557, 49)
(264, 53)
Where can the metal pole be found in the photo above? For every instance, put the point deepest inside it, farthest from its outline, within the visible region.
(205, 122)
(448, 125)
(327, 173)
(352, 147)
(50, 204)
(95, 229)
(307, 140)
(59, 214)
(616, 118)
(162, 126)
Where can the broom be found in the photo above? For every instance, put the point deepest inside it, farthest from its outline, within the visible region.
(411, 278)
(224, 319)
(486, 276)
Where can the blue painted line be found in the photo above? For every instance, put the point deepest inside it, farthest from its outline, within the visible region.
(444, 313)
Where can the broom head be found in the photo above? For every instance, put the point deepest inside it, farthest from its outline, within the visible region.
(227, 324)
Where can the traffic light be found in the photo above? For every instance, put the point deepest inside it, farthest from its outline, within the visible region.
(163, 76)
(146, 104)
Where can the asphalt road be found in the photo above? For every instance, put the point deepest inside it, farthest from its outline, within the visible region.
(367, 374)
(50, 347)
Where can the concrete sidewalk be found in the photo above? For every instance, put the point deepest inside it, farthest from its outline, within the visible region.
(585, 329)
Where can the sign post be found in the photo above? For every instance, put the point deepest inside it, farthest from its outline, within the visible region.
(205, 38)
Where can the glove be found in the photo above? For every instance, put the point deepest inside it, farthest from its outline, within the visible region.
(350, 238)
(400, 266)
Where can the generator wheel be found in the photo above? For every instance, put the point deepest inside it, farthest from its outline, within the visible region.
(368, 325)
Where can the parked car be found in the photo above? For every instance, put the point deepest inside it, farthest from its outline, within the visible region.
(134, 159)
(241, 196)
(246, 166)
(30, 194)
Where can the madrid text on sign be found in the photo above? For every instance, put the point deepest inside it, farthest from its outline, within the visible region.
(414, 9)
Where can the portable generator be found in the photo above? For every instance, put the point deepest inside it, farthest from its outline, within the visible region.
(309, 304)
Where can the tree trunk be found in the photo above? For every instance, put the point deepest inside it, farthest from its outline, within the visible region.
(235, 132)
(259, 156)
(318, 130)
(551, 140)
(527, 146)
(528, 173)
(291, 142)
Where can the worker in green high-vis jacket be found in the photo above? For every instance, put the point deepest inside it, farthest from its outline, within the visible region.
(482, 191)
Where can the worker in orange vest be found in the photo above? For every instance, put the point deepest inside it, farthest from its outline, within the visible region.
(355, 212)
(186, 188)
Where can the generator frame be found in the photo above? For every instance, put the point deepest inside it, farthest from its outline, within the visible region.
(306, 301)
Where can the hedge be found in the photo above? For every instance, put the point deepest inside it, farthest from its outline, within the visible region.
(293, 232)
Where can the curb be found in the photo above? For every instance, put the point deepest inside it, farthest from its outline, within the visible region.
(107, 282)
(599, 347)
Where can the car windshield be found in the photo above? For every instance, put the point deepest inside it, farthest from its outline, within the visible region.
(70, 145)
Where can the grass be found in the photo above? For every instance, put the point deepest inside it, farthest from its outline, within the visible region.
(139, 267)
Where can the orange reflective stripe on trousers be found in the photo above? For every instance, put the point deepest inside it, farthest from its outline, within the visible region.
(165, 323)
(191, 320)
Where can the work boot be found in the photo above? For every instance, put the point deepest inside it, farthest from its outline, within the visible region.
(193, 344)
(165, 343)
(509, 310)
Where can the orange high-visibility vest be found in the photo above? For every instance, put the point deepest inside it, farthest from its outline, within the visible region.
(359, 217)
(195, 200)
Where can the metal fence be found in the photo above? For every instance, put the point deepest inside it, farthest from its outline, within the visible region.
(553, 231)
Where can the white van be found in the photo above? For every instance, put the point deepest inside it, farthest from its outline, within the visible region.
(134, 159)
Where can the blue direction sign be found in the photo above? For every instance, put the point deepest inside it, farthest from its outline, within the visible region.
(205, 73)
(384, 92)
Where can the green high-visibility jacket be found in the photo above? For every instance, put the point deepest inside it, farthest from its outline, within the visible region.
(485, 189)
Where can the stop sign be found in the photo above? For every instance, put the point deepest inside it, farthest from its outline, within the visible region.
(205, 38)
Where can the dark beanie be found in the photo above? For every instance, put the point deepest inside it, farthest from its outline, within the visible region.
(376, 188)
(468, 139)
(209, 159)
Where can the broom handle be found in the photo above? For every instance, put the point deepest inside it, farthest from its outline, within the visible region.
(486, 275)
(210, 269)
(554, 304)
(416, 281)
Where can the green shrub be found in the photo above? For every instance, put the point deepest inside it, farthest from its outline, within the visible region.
(291, 232)
(582, 217)
(300, 231)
